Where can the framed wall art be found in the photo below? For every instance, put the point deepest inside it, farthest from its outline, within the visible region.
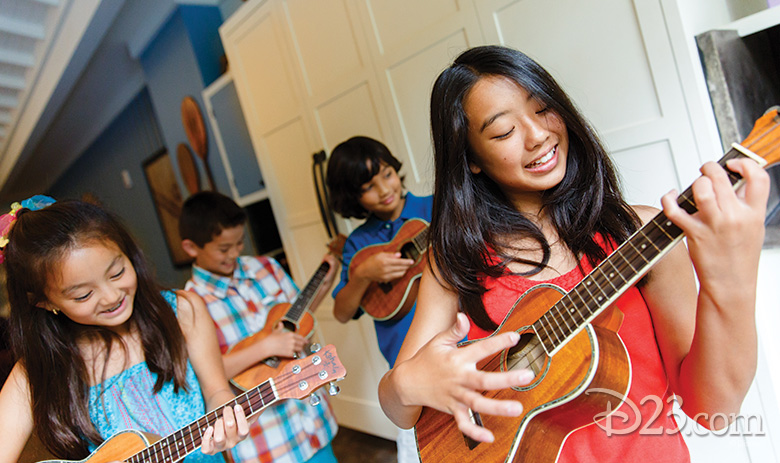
(168, 201)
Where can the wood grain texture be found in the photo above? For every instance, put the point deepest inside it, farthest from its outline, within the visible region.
(394, 299)
(261, 371)
(554, 404)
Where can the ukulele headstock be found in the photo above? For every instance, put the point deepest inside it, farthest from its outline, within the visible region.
(303, 376)
(336, 245)
(764, 138)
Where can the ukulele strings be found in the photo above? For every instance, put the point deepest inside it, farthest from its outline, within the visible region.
(252, 401)
(624, 265)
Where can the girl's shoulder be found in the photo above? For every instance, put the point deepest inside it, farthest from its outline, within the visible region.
(182, 302)
(645, 213)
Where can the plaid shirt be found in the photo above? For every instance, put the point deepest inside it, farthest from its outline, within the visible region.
(291, 431)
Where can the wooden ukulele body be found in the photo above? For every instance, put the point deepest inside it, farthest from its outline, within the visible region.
(555, 404)
(271, 366)
(118, 447)
(394, 299)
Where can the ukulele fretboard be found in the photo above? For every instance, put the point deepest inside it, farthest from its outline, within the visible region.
(618, 272)
(181, 443)
(306, 295)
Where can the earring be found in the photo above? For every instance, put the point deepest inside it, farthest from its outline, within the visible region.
(55, 311)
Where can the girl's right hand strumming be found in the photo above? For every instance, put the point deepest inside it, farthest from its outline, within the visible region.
(445, 377)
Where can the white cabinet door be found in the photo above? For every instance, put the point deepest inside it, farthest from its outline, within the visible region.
(306, 83)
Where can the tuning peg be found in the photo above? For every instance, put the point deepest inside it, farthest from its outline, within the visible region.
(315, 347)
(314, 400)
(333, 389)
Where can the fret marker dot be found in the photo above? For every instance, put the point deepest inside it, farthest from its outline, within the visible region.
(600, 298)
(644, 246)
(611, 274)
(668, 223)
(587, 283)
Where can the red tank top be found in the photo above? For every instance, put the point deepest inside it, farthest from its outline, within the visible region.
(650, 435)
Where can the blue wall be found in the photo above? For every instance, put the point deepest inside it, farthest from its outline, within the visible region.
(181, 60)
(172, 71)
(202, 25)
(128, 141)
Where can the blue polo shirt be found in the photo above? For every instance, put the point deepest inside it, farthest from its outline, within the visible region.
(389, 334)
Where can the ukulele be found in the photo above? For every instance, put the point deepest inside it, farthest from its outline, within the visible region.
(570, 341)
(295, 317)
(296, 381)
(394, 299)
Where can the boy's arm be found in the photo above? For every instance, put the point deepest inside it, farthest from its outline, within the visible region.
(347, 301)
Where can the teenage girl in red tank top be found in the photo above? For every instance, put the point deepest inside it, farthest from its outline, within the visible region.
(524, 190)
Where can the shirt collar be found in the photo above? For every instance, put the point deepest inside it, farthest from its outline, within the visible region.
(217, 284)
(406, 213)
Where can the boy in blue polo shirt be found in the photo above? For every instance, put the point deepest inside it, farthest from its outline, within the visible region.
(363, 182)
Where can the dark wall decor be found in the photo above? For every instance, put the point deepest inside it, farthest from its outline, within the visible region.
(168, 202)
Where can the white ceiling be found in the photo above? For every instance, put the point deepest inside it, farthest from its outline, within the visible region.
(67, 69)
(27, 31)
(24, 39)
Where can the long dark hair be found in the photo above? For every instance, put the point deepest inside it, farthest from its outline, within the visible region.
(46, 344)
(471, 216)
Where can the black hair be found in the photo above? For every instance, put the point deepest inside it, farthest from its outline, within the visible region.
(353, 163)
(46, 344)
(471, 215)
(205, 214)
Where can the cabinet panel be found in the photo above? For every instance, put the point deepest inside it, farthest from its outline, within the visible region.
(326, 42)
(352, 113)
(410, 82)
(274, 100)
(609, 54)
(290, 163)
(393, 20)
(647, 172)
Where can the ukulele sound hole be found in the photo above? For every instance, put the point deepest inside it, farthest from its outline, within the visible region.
(527, 353)
(289, 326)
(409, 251)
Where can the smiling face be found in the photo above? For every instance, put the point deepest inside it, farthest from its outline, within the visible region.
(221, 253)
(517, 142)
(382, 195)
(93, 285)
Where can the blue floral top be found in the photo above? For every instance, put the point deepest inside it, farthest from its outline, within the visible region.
(127, 401)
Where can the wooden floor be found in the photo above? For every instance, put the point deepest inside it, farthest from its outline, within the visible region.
(349, 446)
(352, 446)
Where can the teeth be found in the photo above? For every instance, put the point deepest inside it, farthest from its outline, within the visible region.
(543, 159)
(114, 308)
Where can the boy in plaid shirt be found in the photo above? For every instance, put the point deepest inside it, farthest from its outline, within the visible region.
(239, 292)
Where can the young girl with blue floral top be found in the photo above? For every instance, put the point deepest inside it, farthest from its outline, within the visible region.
(100, 347)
